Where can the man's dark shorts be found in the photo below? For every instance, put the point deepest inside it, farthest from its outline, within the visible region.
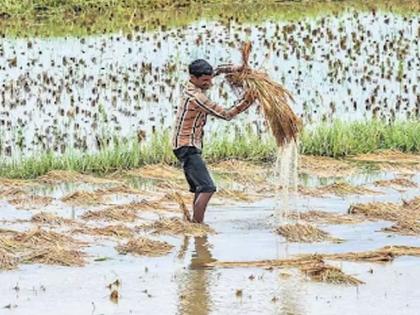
(195, 169)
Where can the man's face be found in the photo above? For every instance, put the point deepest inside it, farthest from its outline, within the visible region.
(204, 82)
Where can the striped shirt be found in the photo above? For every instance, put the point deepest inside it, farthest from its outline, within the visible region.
(192, 114)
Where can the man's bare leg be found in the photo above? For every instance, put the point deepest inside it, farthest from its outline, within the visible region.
(195, 199)
(200, 205)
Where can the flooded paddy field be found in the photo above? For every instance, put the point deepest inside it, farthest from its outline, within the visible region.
(119, 244)
(92, 203)
(70, 93)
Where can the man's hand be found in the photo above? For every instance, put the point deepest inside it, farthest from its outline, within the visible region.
(227, 68)
(250, 96)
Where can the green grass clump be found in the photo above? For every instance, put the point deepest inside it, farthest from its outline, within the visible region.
(82, 17)
(336, 139)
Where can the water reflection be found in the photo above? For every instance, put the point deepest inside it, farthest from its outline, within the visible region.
(194, 292)
(291, 296)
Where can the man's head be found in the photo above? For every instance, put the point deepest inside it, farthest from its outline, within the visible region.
(201, 73)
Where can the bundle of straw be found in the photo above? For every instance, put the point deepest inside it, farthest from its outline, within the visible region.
(272, 96)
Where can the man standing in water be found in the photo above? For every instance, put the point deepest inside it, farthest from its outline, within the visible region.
(190, 120)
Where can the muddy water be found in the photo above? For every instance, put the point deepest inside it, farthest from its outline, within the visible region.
(178, 284)
(66, 93)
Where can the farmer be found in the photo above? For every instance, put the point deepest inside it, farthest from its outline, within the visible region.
(190, 120)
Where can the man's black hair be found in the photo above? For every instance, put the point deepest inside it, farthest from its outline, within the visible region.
(199, 68)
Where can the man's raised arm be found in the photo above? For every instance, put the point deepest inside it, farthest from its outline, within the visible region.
(206, 105)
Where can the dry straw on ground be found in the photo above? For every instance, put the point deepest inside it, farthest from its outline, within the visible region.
(144, 247)
(406, 215)
(7, 232)
(7, 260)
(323, 166)
(339, 189)
(177, 226)
(7, 244)
(396, 183)
(83, 198)
(54, 255)
(246, 173)
(124, 212)
(413, 204)
(407, 227)
(389, 156)
(233, 166)
(377, 210)
(169, 185)
(392, 160)
(121, 189)
(111, 214)
(273, 98)
(99, 196)
(39, 236)
(322, 272)
(408, 211)
(118, 231)
(249, 175)
(236, 195)
(304, 233)
(44, 247)
(59, 176)
(49, 218)
(158, 171)
(30, 202)
(315, 216)
(15, 183)
(12, 192)
(385, 254)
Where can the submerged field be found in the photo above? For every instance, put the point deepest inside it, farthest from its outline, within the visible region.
(92, 198)
(67, 95)
(104, 244)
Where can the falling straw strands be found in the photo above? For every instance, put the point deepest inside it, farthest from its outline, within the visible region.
(285, 125)
(273, 98)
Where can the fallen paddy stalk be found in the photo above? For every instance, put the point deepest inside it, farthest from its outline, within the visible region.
(322, 272)
(306, 233)
(340, 189)
(118, 231)
(407, 211)
(7, 260)
(325, 217)
(385, 254)
(404, 227)
(144, 247)
(114, 213)
(44, 247)
(177, 226)
(54, 255)
(49, 218)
